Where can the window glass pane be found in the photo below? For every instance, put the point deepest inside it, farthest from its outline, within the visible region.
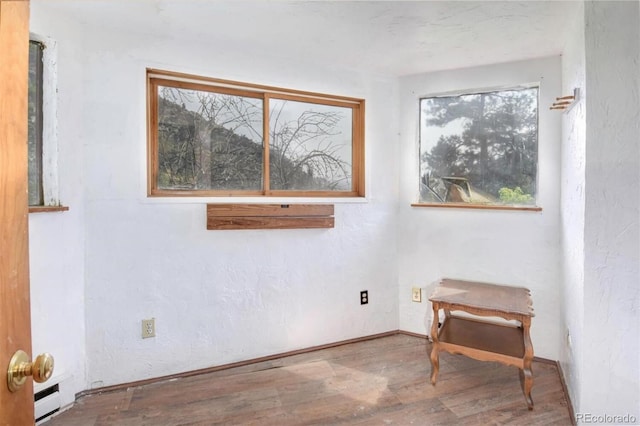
(36, 197)
(480, 148)
(206, 139)
(310, 146)
(209, 140)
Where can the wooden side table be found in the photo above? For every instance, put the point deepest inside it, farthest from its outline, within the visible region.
(482, 340)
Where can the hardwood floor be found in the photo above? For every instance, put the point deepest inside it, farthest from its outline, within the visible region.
(380, 381)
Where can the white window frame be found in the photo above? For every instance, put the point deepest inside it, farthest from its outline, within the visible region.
(50, 186)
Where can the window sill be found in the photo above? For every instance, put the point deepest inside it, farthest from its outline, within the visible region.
(477, 206)
(254, 200)
(47, 209)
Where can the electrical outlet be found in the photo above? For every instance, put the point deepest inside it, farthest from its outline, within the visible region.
(364, 297)
(416, 294)
(148, 328)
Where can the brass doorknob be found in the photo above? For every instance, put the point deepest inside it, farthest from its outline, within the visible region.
(20, 367)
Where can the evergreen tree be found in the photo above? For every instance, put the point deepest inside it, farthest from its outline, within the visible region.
(496, 146)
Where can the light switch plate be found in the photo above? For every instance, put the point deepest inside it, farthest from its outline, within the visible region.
(416, 294)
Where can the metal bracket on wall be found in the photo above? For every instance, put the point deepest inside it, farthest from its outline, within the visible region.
(565, 103)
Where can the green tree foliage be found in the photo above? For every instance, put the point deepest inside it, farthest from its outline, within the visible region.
(515, 196)
(496, 146)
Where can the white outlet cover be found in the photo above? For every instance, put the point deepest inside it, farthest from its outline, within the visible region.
(148, 328)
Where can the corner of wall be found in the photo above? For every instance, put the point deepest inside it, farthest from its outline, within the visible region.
(572, 210)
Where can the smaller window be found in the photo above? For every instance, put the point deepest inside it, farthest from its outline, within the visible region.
(36, 192)
(480, 148)
(210, 137)
(42, 126)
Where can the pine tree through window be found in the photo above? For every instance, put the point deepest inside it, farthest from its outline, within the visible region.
(480, 148)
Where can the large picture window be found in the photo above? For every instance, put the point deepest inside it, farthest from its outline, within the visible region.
(480, 148)
(210, 137)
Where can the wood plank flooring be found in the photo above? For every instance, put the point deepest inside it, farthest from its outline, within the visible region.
(380, 381)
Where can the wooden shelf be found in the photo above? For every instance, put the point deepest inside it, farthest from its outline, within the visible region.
(269, 216)
(481, 340)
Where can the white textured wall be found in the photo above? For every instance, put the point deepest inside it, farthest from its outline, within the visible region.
(572, 209)
(611, 376)
(509, 247)
(220, 296)
(56, 240)
(117, 257)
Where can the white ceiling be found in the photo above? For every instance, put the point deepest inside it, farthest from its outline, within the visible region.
(387, 37)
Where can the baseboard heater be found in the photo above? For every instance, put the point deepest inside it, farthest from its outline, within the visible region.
(47, 403)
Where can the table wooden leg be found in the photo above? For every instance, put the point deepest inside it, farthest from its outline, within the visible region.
(435, 364)
(526, 374)
(435, 355)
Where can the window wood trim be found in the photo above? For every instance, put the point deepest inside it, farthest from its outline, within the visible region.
(478, 206)
(218, 82)
(156, 78)
(48, 209)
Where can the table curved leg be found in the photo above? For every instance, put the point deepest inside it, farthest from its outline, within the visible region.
(435, 356)
(435, 365)
(526, 381)
(526, 374)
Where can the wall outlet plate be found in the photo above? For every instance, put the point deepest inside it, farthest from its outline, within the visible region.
(148, 328)
(364, 297)
(416, 294)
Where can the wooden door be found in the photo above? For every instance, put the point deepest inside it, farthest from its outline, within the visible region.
(15, 319)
